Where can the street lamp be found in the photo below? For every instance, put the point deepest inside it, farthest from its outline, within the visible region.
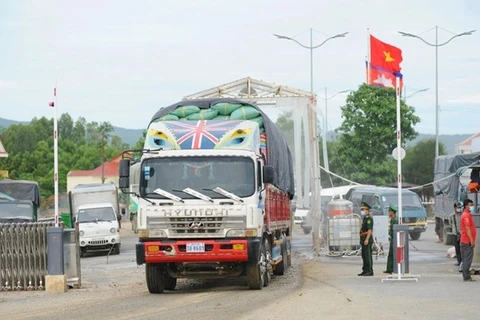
(325, 130)
(311, 47)
(412, 94)
(436, 45)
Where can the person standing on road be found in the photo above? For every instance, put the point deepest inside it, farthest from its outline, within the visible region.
(392, 212)
(454, 220)
(467, 238)
(366, 240)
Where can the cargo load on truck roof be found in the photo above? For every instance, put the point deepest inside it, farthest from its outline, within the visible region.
(278, 152)
(451, 178)
(21, 190)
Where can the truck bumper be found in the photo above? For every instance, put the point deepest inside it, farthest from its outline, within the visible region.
(417, 227)
(216, 250)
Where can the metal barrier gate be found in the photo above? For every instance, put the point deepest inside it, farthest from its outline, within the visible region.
(23, 255)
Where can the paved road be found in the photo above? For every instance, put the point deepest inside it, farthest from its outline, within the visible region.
(314, 288)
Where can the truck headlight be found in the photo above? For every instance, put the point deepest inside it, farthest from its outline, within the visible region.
(82, 233)
(113, 230)
(241, 233)
(156, 233)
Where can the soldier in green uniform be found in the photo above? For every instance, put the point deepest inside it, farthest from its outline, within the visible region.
(392, 212)
(366, 240)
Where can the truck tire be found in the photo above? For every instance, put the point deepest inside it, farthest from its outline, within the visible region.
(170, 283)
(82, 252)
(256, 271)
(268, 263)
(116, 249)
(280, 267)
(415, 235)
(155, 275)
(307, 230)
(289, 253)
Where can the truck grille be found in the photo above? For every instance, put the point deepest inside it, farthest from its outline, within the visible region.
(97, 242)
(196, 226)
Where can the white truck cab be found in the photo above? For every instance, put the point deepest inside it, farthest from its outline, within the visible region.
(99, 227)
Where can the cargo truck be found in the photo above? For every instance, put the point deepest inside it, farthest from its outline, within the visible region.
(456, 177)
(214, 195)
(96, 211)
(19, 201)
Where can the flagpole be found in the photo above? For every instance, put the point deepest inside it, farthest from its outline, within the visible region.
(368, 55)
(399, 161)
(55, 154)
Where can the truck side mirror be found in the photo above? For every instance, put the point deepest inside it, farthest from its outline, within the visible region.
(119, 217)
(268, 174)
(124, 175)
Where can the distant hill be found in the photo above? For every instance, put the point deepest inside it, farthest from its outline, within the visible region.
(131, 136)
(448, 140)
(4, 123)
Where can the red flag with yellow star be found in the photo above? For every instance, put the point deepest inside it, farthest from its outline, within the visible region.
(384, 55)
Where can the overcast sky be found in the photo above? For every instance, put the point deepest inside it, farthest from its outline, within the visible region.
(120, 61)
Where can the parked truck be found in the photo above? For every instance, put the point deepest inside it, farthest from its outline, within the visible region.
(214, 195)
(96, 210)
(453, 180)
(19, 201)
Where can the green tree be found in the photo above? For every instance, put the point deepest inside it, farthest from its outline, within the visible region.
(418, 165)
(104, 131)
(369, 134)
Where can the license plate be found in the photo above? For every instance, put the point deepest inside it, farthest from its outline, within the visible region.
(196, 247)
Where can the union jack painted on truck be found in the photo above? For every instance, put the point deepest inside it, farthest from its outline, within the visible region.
(206, 134)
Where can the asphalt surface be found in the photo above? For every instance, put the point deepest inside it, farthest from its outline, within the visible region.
(315, 287)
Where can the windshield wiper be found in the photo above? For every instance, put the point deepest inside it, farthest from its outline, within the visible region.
(144, 198)
(167, 195)
(196, 194)
(225, 193)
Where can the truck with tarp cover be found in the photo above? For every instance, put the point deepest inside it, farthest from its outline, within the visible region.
(19, 201)
(215, 185)
(456, 177)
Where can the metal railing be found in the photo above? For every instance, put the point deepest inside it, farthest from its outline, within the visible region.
(23, 255)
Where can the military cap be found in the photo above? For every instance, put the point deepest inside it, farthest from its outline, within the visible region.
(365, 205)
(393, 208)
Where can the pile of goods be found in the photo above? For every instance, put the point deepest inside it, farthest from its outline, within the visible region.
(219, 111)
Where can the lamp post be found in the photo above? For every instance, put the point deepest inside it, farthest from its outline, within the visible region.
(436, 45)
(325, 126)
(412, 94)
(311, 47)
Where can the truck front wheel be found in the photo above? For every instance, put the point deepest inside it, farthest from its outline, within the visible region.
(415, 235)
(256, 271)
(170, 283)
(155, 275)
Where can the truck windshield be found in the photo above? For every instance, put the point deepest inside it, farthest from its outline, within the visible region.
(409, 202)
(96, 214)
(202, 174)
(16, 210)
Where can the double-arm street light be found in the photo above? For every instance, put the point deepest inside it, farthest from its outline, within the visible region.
(325, 126)
(436, 45)
(311, 47)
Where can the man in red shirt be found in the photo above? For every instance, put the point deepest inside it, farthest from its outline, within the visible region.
(467, 238)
